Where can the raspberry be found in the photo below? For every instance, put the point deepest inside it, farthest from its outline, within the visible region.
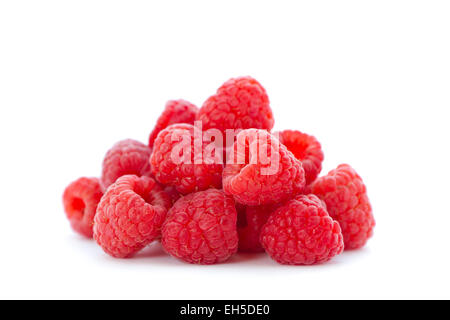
(250, 222)
(176, 111)
(80, 200)
(175, 161)
(261, 170)
(240, 103)
(172, 193)
(130, 215)
(201, 228)
(345, 195)
(307, 189)
(302, 232)
(125, 157)
(305, 148)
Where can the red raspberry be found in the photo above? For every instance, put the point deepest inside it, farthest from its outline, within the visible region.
(345, 195)
(80, 201)
(240, 103)
(261, 170)
(201, 228)
(130, 215)
(250, 222)
(302, 232)
(192, 172)
(307, 189)
(305, 148)
(176, 111)
(172, 193)
(125, 157)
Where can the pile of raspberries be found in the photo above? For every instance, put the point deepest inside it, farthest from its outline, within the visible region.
(259, 192)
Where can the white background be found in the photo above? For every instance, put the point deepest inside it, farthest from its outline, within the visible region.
(370, 79)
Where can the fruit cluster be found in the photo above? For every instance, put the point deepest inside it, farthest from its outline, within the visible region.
(205, 196)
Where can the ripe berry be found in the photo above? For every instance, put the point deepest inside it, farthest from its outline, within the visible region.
(125, 157)
(251, 219)
(240, 103)
(261, 170)
(305, 148)
(176, 161)
(201, 228)
(176, 111)
(130, 215)
(302, 232)
(80, 201)
(345, 195)
(172, 193)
